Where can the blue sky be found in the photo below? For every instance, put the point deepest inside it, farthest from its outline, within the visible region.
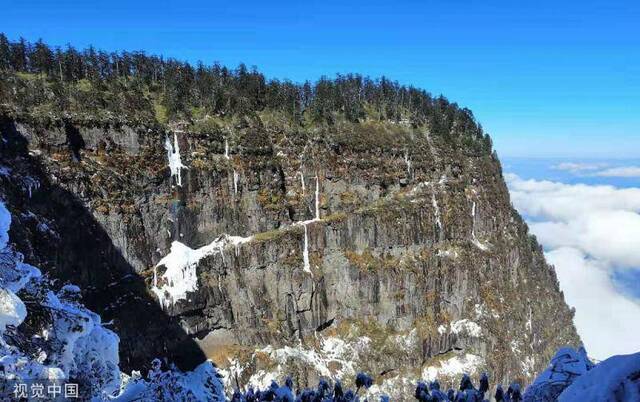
(544, 79)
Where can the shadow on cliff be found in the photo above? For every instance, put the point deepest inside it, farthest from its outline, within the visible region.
(84, 254)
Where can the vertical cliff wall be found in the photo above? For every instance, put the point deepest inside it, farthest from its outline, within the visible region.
(273, 249)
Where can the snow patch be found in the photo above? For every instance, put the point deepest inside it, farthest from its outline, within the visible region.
(12, 309)
(453, 367)
(466, 326)
(332, 357)
(201, 384)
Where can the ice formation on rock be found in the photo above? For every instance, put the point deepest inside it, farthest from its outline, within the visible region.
(305, 251)
(181, 264)
(173, 155)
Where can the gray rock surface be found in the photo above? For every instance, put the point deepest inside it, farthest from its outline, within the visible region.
(414, 236)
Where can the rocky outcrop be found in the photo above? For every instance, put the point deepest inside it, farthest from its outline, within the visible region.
(367, 246)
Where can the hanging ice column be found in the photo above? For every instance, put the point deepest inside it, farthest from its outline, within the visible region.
(236, 175)
(305, 251)
(181, 275)
(302, 181)
(434, 202)
(173, 155)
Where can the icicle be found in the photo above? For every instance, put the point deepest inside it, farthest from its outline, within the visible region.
(173, 155)
(317, 198)
(236, 176)
(31, 184)
(434, 202)
(305, 252)
(226, 149)
(302, 181)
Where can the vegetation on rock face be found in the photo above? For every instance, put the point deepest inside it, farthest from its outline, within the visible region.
(53, 82)
(399, 183)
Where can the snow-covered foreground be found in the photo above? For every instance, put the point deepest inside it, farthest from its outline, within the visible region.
(571, 377)
(48, 335)
(68, 344)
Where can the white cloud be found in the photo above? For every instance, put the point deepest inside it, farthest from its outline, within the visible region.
(626, 171)
(597, 169)
(607, 321)
(590, 231)
(611, 236)
(602, 221)
(578, 167)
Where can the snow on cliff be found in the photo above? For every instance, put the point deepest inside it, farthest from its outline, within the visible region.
(181, 264)
(69, 340)
(68, 343)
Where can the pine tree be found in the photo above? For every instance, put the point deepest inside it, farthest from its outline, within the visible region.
(19, 55)
(5, 53)
(41, 58)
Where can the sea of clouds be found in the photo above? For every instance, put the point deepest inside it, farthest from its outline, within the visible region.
(591, 234)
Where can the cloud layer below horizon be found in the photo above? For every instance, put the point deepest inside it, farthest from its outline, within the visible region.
(598, 169)
(589, 233)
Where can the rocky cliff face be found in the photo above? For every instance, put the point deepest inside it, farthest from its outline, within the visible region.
(273, 250)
